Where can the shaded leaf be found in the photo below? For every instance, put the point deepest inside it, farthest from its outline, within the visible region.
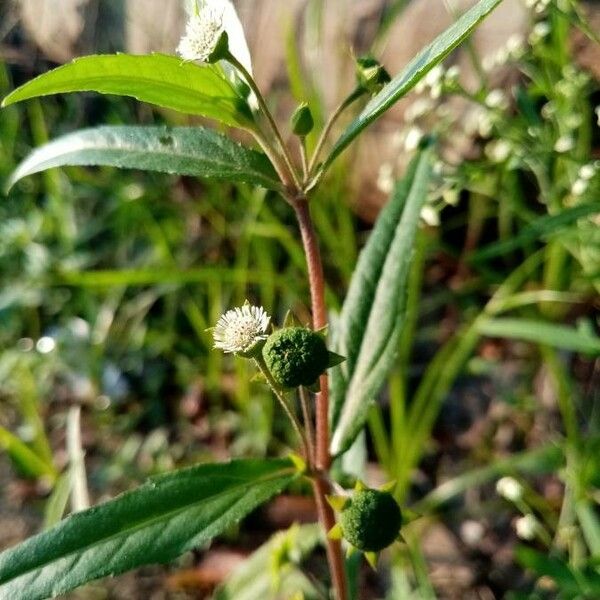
(158, 79)
(371, 320)
(194, 151)
(155, 523)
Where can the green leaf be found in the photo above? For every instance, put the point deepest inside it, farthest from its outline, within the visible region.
(155, 523)
(158, 79)
(572, 582)
(540, 228)
(274, 568)
(540, 332)
(24, 458)
(372, 317)
(194, 151)
(413, 73)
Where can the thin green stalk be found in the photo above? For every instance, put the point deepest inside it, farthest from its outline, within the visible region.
(355, 95)
(308, 424)
(273, 125)
(260, 363)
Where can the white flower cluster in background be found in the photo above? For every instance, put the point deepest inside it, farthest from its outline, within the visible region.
(512, 50)
(585, 175)
(437, 80)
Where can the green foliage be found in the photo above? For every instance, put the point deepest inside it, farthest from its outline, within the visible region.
(372, 317)
(418, 67)
(155, 523)
(165, 81)
(275, 569)
(572, 582)
(540, 332)
(194, 151)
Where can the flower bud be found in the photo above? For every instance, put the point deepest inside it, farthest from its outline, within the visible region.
(370, 74)
(296, 356)
(302, 120)
(371, 520)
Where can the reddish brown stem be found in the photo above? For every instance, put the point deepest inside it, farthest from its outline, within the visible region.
(323, 458)
(333, 547)
(319, 314)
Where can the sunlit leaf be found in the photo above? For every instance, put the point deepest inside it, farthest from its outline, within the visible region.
(158, 79)
(372, 317)
(154, 523)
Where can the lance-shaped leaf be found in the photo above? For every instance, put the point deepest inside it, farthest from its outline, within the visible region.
(371, 320)
(158, 79)
(155, 523)
(192, 151)
(413, 73)
(540, 332)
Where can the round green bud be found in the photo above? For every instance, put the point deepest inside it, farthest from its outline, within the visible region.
(371, 520)
(295, 356)
(302, 120)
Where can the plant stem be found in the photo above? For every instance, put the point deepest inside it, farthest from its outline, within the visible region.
(307, 415)
(355, 95)
(322, 458)
(265, 109)
(260, 363)
(334, 547)
(319, 317)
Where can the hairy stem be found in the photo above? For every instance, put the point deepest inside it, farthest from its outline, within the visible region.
(334, 547)
(322, 457)
(319, 316)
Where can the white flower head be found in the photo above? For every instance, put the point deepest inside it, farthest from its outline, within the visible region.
(208, 19)
(203, 31)
(526, 527)
(563, 144)
(510, 489)
(240, 330)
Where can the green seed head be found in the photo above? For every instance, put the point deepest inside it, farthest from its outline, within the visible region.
(295, 356)
(371, 520)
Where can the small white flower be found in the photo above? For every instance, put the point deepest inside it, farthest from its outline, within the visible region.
(413, 137)
(385, 178)
(597, 111)
(452, 74)
(496, 99)
(203, 31)
(526, 527)
(430, 216)
(498, 151)
(579, 187)
(418, 109)
(563, 144)
(510, 489)
(239, 330)
(588, 171)
(434, 76)
(45, 345)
